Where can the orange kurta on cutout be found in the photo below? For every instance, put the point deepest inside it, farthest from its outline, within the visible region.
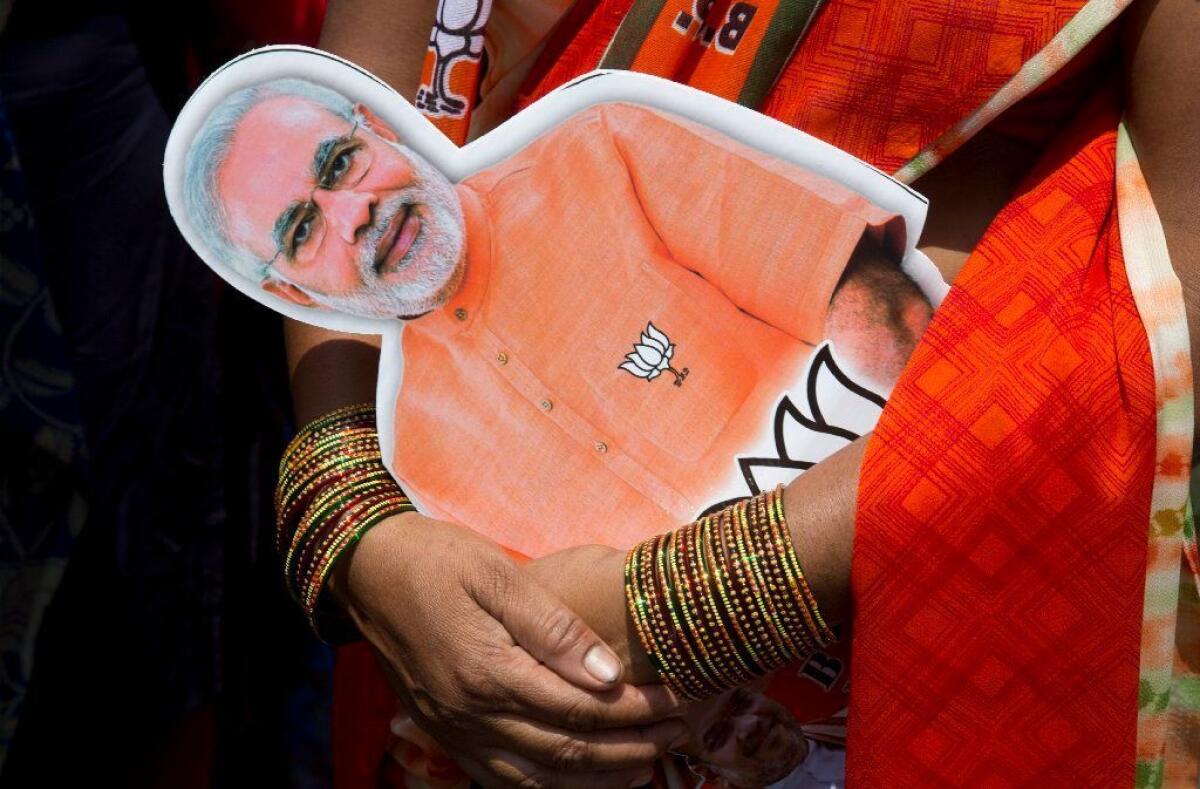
(621, 224)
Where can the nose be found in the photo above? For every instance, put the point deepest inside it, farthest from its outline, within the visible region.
(346, 211)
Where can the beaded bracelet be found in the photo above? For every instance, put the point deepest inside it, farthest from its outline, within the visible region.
(332, 488)
(723, 600)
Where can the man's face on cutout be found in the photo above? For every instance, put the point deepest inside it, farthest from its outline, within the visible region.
(350, 219)
(751, 741)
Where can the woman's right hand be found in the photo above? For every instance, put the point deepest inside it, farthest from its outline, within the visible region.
(509, 680)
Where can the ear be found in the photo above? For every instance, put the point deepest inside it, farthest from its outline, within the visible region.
(375, 123)
(288, 292)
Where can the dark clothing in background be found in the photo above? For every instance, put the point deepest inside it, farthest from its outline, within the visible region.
(170, 655)
(42, 500)
(131, 639)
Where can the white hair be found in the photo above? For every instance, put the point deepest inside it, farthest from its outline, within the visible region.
(209, 149)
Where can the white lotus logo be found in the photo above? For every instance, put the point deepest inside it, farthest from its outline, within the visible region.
(651, 356)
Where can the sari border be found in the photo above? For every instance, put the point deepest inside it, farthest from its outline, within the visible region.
(635, 28)
(1159, 299)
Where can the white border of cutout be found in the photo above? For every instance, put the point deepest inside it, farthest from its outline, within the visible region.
(740, 123)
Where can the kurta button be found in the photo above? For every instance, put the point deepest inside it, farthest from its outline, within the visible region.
(502, 358)
(601, 447)
(547, 405)
(461, 314)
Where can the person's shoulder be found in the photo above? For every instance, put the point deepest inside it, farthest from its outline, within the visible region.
(580, 130)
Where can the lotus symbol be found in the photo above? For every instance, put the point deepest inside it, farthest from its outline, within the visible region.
(651, 356)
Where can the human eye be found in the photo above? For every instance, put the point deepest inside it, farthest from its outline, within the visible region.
(340, 163)
(301, 232)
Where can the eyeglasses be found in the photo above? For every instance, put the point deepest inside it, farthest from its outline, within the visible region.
(340, 163)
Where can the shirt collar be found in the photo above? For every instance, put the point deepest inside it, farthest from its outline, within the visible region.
(463, 307)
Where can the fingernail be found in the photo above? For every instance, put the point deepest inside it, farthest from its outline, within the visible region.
(602, 664)
(397, 725)
(642, 779)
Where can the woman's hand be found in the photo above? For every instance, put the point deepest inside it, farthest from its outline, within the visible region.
(740, 738)
(590, 579)
(510, 681)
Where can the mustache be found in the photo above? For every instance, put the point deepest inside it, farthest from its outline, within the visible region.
(381, 226)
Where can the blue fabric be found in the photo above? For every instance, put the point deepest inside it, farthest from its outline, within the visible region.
(42, 504)
(130, 640)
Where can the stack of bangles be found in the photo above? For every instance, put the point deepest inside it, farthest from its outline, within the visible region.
(332, 488)
(723, 601)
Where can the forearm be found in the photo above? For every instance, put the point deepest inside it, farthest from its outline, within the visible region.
(590, 580)
(1162, 110)
(819, 505)
(329, 369)
(386, 37)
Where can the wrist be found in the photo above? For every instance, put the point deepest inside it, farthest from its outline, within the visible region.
(350, 579)
(588, 579)
(333, 489)
(723, 601)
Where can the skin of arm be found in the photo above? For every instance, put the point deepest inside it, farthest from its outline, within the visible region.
(388, 38)
(876, 317)
(1162, 111)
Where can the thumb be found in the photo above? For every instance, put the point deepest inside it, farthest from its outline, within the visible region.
(555, 635)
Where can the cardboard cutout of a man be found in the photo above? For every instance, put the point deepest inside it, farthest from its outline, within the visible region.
(597, 325)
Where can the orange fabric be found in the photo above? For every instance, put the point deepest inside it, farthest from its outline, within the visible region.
(574, 245)
(721, 70)
(696, 53)
(666, 50)
(1000, 550)
(929, 64)
(881, 80)
(1001, 547)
